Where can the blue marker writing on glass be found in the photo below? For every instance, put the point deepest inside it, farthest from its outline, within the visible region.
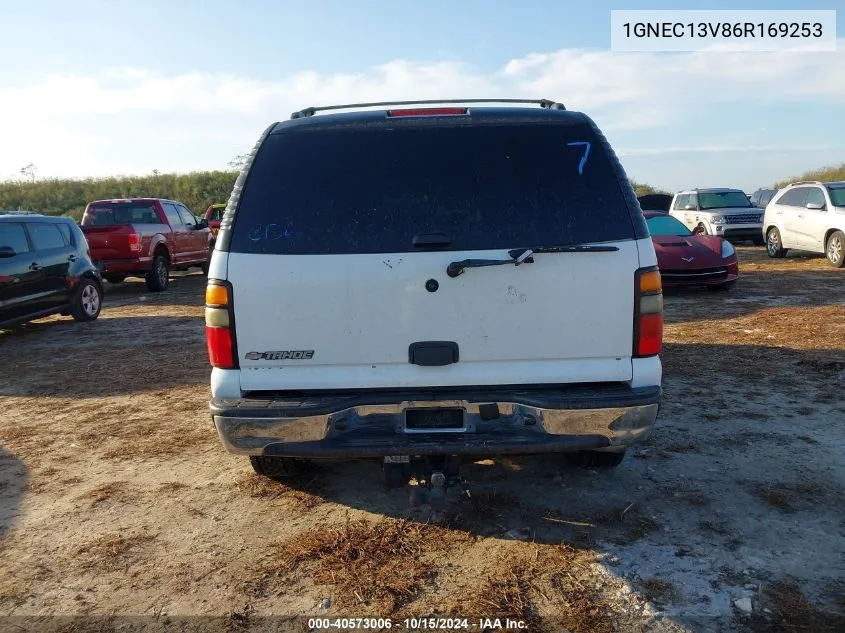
(583, 161)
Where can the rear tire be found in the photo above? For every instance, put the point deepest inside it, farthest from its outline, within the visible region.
(774, 245)
(207, 262)
(159, 277)
(115, 278)
(277, 468)
(835, 249)
(87, 301)
(595, 459)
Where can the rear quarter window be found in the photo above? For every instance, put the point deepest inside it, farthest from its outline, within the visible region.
(45, 236)
(372, 189)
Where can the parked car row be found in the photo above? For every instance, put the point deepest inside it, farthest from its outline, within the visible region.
(51, 265)
(809, 216)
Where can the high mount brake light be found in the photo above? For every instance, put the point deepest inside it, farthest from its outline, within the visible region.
(219, 325)
(648, 312)
(427, 112)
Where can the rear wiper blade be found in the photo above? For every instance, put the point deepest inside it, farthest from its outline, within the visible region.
(524, 256)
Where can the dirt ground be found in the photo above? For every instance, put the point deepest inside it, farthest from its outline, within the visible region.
(116, 497)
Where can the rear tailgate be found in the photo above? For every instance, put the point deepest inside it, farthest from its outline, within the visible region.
(121, 229)
(565, 318)
(322, 257)
(109, 242)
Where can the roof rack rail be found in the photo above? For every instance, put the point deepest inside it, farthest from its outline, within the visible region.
(807, 182)
(306, 112)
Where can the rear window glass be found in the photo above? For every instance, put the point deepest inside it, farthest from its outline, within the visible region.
(371, 190)
(114, 213)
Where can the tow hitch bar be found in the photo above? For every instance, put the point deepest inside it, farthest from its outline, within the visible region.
(434, 475)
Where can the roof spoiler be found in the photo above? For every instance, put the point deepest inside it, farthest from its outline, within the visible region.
(306, 112)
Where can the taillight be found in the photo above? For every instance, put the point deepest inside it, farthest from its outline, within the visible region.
(648, 312)
(219, 325)
(426, 112)
(134, 243)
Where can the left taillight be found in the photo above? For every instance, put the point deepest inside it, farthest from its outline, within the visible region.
(134, 242)
(219, 325)
(648, 312)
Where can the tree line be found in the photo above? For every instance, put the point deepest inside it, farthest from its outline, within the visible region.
(825, 174)
(68, 197)
(197, 190)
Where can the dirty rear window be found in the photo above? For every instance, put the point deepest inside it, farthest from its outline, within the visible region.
(371, 190)
(111, 214)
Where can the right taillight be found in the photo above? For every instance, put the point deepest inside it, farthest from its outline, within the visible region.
(219, 325)
(134, 243)
(648, 312)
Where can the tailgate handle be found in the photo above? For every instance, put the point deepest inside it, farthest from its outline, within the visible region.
(433, 353)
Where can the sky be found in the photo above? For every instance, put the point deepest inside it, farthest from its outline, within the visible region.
(96, 88)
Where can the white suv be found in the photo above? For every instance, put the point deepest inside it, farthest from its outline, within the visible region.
(809, 216)
(727, 213)
(424, 284)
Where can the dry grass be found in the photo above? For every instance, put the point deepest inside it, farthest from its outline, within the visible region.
(302, 495)
(536, 581)
(114, 427)
(172, 486)
(112, 491)
(785, 497)
(392, 555)
(681, 447)
(503, 593)
(112, 550)
(798, 327)
(658, 591)
(628, 524)
(791, 612)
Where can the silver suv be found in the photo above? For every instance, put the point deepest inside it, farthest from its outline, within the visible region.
(809, 216)
(724, 212)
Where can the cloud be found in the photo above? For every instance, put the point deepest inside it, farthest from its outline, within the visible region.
(721, 149)
(133, 120)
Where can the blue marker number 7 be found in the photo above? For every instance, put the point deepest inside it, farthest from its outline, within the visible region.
(583, 161)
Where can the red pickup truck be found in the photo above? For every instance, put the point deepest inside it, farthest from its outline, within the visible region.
(214, 214)
(145, 237)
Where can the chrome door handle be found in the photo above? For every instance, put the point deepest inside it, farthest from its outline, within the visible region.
(71, 258)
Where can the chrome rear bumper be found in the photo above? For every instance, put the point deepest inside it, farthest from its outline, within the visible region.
(512, 422)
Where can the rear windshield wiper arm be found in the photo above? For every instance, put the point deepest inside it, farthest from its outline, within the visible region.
(523, 256)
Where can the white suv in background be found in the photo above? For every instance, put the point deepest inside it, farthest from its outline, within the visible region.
(727, 213)
(427, 284)
(809, 216)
